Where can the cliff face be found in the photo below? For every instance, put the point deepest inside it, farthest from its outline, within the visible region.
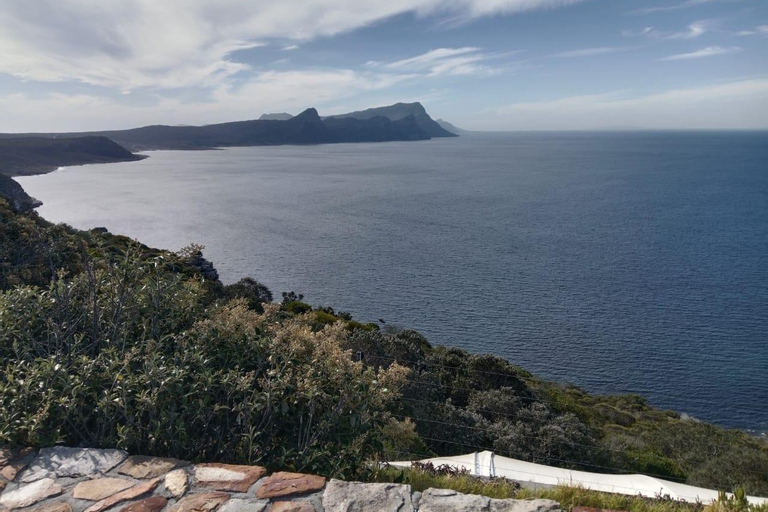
(35, 155)
(400, 111)
(14, 194)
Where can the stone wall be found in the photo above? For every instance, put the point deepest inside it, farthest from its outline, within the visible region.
(64, 479)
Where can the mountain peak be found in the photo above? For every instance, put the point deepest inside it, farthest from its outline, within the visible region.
(309, 114)
(402, 110)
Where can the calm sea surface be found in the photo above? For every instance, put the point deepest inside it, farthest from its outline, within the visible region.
(625, 262)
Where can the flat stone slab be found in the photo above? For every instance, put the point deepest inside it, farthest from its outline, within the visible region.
(446, 500)
(342, 496)
(287, 484)
(57, 506)
(30, 494)
(100, 488)
(244, 505)
(152, 504)
(13, 460)
(524, 506)
(177, 483)
(292, 506)
(128, 494)
(228, 477)
(61, 462)
(200, 502)
(141, 466)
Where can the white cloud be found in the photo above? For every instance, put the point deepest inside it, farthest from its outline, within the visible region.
(588, 52)
(738, 104)
(290, 47)
(175, 43)
(709, 51)
(446, 61)
(694, 30)
(760, 30)
(674, 7)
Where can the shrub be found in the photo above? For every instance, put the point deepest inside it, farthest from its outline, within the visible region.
(125, 355)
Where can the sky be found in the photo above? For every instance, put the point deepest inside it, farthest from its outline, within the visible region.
(69, 65)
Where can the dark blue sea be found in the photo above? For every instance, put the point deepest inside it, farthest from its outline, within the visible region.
(619, 262)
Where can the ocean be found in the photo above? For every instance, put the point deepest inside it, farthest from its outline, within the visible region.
(626, 262)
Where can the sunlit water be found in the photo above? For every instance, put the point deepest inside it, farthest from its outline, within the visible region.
(631, 262)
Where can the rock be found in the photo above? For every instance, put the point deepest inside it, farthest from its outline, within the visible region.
(358, 497)
(200, 502)
(151, 504)
(446, 500)
(100, 488)
(177, 483)
(244, 505)
(416, 499)
(292, 506)
(57, 506)
(141, 466)
(286, 484)
(60, 462)
(13, 460)
(128, 494)
(30, 494)
(525, 506)
(227, 477)
(3, 484)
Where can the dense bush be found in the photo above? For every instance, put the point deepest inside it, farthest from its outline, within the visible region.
(124, 354)
(104, 342)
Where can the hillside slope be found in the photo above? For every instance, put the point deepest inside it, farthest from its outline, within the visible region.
(35, 155)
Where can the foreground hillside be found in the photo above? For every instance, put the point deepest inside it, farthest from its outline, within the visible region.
(107, 343)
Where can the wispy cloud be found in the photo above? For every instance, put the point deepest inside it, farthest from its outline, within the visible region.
(709, 51)
(447, 61)
(589, 52)
(760, 30)
(674, 7)
(130, 44)
(290, 47)
(694, 30)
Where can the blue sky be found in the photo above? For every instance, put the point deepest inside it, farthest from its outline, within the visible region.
(481, 64)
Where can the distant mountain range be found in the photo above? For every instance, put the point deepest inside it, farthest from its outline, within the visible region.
(34, 153)
(400, 122)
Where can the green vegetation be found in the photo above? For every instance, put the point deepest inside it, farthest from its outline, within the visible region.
(500, 488)
(108, 343)
(424, 476)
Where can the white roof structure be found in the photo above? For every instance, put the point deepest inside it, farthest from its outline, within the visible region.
(489, 464)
